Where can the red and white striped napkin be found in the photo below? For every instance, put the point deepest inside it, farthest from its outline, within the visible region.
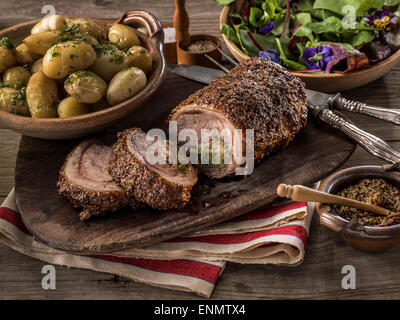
(273, 235)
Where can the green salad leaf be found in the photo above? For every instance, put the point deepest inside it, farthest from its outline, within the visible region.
(361, 6)
(257, 18)
(391, 3)
(302, 18)
(331, 24)
(266, 41)
(223, 2)
(361, 37)
(231, 34)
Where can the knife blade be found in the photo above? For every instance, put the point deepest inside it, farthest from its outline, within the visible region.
(206, 75)
(197, 73)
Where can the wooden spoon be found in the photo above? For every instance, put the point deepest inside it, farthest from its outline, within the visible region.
(301, 193)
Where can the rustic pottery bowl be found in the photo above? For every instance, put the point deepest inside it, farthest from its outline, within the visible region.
(332, 82)
(197, 58)
(67, 128)
(356, 235)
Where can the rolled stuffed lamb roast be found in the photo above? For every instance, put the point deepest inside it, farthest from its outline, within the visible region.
(160, 185)
(85, 181)
(256, 94)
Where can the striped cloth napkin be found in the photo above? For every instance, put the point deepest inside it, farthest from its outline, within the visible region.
(193, 263)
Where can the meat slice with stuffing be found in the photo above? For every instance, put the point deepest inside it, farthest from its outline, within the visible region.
(160, 185)
(85, 181)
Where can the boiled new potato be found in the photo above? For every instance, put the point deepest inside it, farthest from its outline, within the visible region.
(125, 84)
(85, 86)
(109, 61)
(53, 22)
(123, 36)
(16, 77)
(89, 27)
(13, 101)
(24, 56)
(41, 42)
(139, 57)
(42, 96)
(37, 66)
(66, 57)
(8, 57)
(70, 107)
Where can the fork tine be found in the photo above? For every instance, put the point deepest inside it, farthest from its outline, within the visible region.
(216, 63)
(228, 57)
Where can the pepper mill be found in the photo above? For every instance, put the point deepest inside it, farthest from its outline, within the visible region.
(183, 40)
(181, 23)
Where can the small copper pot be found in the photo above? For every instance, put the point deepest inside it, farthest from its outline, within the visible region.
(356, 235)
(191, 58)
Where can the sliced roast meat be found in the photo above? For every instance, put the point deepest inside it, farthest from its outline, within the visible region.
(85, 181)
(257, 94)
(160, 185)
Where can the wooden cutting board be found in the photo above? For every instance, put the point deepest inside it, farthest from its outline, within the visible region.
(316, 151)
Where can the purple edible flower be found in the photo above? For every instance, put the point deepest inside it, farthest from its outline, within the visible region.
(380, 19)
(267, 28)
(271, 55)
(317, 58)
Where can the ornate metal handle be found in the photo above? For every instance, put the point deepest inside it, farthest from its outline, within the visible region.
(369, 142)
(391, 115)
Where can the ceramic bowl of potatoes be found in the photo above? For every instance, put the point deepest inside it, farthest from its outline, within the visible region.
(65, 77)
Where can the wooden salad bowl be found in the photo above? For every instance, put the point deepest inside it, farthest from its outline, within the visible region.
(332, 82)
(74, 127)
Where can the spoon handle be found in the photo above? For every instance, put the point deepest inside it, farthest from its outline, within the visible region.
(301, 193)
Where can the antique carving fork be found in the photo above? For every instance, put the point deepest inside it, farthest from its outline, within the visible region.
(374, 145)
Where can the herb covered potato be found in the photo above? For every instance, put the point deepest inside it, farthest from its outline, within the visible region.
(89, 27)
(66, 57)
(41, 42)
(68, 67)
(8, 57)
(125, 84)
(25, 56)
(85, 86)
(109, 60)
(123, 36)
(17, 77)
(53, 22)
(13, 101)
(37, 66)
(139, 57)
(70, 107)
(42, 96)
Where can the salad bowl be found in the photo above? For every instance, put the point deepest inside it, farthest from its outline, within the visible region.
(324, 82)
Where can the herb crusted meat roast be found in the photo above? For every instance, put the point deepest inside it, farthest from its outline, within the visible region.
(160, 185)
(85, 181)
(256, 94)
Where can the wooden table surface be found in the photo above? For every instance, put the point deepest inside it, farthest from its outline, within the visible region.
(319, 277)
